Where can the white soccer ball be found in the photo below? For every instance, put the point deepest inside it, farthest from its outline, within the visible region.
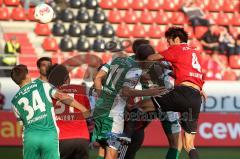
(44, 13)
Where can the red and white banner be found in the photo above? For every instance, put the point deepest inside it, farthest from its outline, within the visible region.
(214, 129)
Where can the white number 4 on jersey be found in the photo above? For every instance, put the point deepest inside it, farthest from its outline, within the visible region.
(195, 63)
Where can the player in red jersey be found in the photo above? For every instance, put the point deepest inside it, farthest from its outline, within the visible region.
(186, 95)
(74, 135)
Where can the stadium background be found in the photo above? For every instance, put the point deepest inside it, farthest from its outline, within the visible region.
(82, 29)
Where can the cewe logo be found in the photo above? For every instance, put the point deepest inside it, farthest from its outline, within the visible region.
(220, 130)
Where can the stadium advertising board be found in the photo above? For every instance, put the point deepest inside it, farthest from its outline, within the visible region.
(215, 129)
(10, 130)
(223, 96)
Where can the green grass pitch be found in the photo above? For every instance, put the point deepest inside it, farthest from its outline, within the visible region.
(144, 153)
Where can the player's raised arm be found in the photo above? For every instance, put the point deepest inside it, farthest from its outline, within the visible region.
(131, 80)
(102, 73)
(130, 92)
(68, 100)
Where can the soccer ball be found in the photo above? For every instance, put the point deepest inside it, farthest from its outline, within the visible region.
(44, 13)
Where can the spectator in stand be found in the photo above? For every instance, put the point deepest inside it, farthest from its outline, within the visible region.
(195, 14)
(226, 42)
(11, 50)
(237, 45)
(2, 98)
(210, 40)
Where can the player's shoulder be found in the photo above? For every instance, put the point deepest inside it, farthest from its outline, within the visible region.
(134, 72)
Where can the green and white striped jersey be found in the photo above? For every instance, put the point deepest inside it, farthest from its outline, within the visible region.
(121, 72)
(33, 106)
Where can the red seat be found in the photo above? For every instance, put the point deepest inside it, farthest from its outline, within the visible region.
(12, 2)
(213, 75)
(146, 17)
(170, 5)
(115, 16)
(196, 44)
(231, 5)
(31, 14)
(106, 4)
(230, 75)
(123, 31)
(130, 17)
(122, 4)
(162, 45)
(50, 44)
(234, 61)
(222, 19)
(189, 30)
(153, 5)
(223, 59)
(236, 18)
(18, 14)
(215, 5)
(55, 56)
(137, 4)
(1, 2)
(205, 58)
(162, 17)
(42, 29)
(213, 70)
(155, 31)
(138, 31)
(200, 30)
(4, 14)
(234, 31)
(178, 18)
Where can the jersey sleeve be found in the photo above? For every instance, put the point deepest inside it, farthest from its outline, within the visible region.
(132, 77)
(16, 113)
(106, 67)
(169, 55)
(49, 89)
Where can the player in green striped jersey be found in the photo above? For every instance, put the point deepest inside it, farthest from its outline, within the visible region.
(122, 75)
(32, 105)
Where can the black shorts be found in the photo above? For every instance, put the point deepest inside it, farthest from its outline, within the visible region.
(185, 100)
(74, 149)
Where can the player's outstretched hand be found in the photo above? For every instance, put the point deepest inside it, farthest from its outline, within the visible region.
(86, 114)
(204, 95)
(157, 91)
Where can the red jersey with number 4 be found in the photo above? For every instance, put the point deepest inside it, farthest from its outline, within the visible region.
(186, 63)
(70, 121)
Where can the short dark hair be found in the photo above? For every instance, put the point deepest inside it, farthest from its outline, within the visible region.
(174, 32)
(43, 59)
(57, 74)
(19, 73)
(137, 43)
(144, 51)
